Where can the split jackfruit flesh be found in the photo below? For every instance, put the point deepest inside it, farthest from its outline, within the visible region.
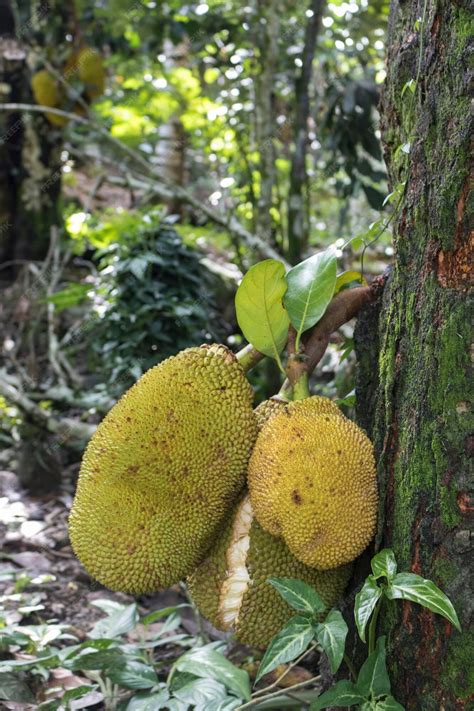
(231, 587)
(162, 471)
(312, 481)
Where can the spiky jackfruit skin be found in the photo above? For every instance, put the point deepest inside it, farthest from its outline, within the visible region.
(47, 93)
(312, 479)
(263, 501)
(162, 471)
(262, 612)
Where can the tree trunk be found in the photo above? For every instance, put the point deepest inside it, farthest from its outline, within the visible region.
(30, 148)
(413, 348)
(268, 13)
(298, 227)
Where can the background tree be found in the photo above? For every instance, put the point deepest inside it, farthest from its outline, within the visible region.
(418, 335)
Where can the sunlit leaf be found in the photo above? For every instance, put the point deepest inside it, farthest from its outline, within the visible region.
(288, 644)
(409, 586)
(299, 595)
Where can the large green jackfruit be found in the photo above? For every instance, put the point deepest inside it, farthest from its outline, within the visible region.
(162, 471)
(312, 480)
(231, 587)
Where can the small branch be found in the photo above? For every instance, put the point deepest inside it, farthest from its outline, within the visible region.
(280, 692)
(342, 308)
(249, 357)
(291, 666)
(66, 428)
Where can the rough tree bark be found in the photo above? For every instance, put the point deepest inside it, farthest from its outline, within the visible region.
(298, 226)
(30, 148)
(413, 348)
(267, 32)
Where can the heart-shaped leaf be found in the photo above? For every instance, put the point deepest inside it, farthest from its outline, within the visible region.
(344, 694)
(259, 308)
(409, 586)
(311, 287)
(299, 595)
(365, 602)
(384, 564)
(373, 677)
(288, 644)
(206, 662)
(331, 635)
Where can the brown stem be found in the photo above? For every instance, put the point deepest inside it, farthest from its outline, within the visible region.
(342, 308)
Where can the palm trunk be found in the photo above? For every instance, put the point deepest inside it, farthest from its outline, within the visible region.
(413, 347)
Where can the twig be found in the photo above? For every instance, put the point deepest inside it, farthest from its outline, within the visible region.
(280, 692)
(287, 670)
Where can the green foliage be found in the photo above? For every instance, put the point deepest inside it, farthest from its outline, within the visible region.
(152, 296)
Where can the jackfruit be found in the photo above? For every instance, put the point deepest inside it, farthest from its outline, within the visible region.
(91, 72)
(312, 481)
(263, 502)
(231, 588)
(162, 471)
(47, 92)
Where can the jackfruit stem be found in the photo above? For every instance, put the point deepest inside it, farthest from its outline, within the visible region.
(249, 357)
(301, 387)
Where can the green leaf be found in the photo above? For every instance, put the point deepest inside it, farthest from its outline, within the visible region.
(383, 564)
(299, 595)
(159, 614)
(76, 693)
(373, 677)
(409, 586)
(100, 660)
(199, 692)
(331, 635)
(12, 688)
(346, 278)
(388, 704)
(206, 662)
(148, 701)
(133, 675)
(116, 624)
(310, 289)
(259, 307)
(288, 644)
(344, 694)
(365, 602)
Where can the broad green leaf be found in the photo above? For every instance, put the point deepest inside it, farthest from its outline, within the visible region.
(384, 564)
(199, 692)
(149, 701)
(133, 675)
(310, 289)
(389, 704)
(346, 278)
(365, 602)
(159, 614)
(288, 644)
(344, 694)
(409, 586)
(12, 688)
(76, 693)
(373, 677)
(299, 595)
(259, 307)
(207, 663)
(116, 624)
(100, 660)
(331, 635)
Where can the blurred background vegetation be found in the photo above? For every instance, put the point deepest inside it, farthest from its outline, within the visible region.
(227, 132)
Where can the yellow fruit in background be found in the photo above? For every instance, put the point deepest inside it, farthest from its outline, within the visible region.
(47, 92)
(312, 480)
(91, 71)
(163, 470)
(231, 587)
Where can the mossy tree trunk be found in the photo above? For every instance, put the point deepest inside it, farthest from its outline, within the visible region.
(30, 147)
(413, 348)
